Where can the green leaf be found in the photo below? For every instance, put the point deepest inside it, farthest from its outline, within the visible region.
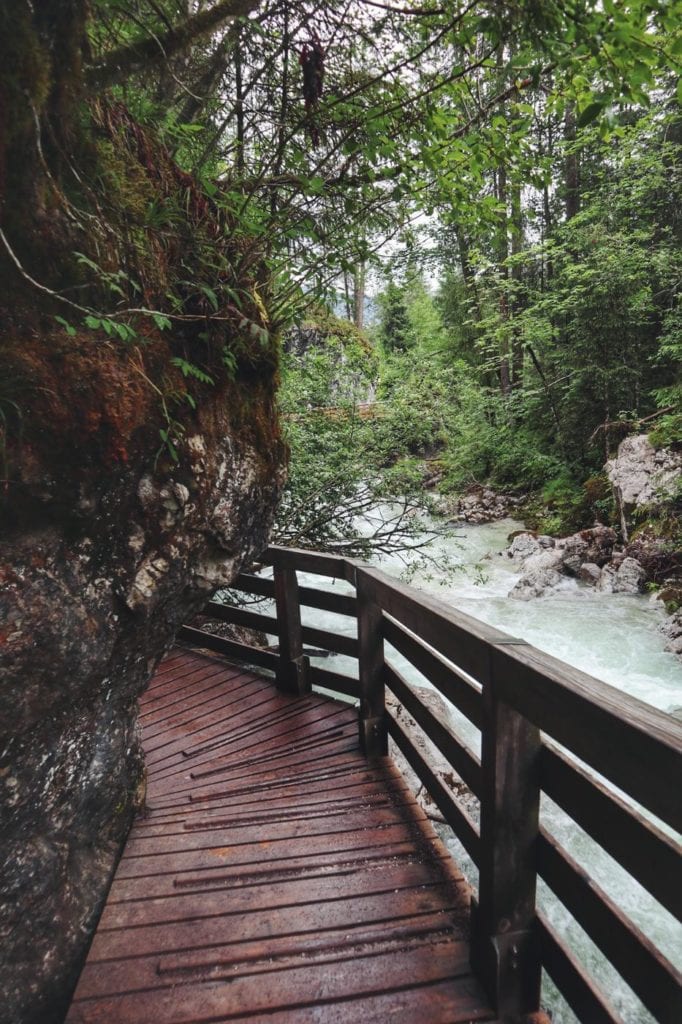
(590, 113)
(124, 332)
(70, 330)
(190, 370)
(162, 322)
(86, 261)
(93, 322)
(210, 295)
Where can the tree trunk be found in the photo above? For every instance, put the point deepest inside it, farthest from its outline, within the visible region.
(504, 368)
(239, 110)
(467, 270)
(359, 296)
(571, 166)
(137, 57)
(516, 232)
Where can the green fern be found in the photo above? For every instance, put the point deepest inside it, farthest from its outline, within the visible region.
(190, 370)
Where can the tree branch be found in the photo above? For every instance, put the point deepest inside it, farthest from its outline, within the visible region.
(125, 61)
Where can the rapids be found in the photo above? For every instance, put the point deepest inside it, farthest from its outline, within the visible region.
(610, 636)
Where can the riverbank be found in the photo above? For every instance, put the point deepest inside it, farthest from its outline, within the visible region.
(626, 536)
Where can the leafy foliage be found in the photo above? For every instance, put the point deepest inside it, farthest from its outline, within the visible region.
(210, 200)
(344, 492)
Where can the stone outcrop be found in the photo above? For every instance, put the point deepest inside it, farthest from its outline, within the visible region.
(622, 576)
(642, 475)
(107, 548)
(481, 505)
(672, 630)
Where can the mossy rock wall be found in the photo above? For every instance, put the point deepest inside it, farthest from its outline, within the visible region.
(131, 487)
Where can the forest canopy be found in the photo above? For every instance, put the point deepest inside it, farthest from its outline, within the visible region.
(192, 166)
(321, 128)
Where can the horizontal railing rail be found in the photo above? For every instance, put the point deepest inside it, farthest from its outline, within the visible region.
(523, 703)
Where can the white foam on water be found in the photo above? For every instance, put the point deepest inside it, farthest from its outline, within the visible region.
(610, 636)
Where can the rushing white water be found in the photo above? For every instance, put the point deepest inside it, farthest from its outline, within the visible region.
(612, 637)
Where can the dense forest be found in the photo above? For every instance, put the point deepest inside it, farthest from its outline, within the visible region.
(507, 176)
(525, 316)
(192, 194)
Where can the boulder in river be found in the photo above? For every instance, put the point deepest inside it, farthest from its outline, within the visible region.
(481, 505)
(589, 572)
(672, 629)
(546, 560)
(624, 577)
(536, 583)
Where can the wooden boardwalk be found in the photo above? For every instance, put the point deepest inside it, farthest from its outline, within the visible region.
(277, 875)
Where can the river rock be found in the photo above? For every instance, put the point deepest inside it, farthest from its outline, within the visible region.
(672, 629)
(624, 577)
(546, 558)
(601, 541)
(589, 572)
(482, 505)
(536, 583)
(592, 546)
(525, 544)
(541, 555)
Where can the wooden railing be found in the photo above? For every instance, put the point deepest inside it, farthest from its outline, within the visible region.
(524, 703)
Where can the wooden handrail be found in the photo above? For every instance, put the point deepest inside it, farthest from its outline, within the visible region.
(519, 698)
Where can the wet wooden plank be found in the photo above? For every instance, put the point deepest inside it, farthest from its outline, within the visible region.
(241, 993)
(276, 874)
(297, 891)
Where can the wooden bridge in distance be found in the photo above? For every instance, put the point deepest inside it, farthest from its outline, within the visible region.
(285, 873)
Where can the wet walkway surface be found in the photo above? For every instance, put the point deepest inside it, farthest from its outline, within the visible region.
(277, 875)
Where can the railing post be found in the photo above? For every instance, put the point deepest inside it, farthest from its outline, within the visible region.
(372, 713)
(504, 950)
(292, 670)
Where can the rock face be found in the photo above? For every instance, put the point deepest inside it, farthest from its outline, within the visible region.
(622, 577)
(642, 475)
(140, 462)
(97, 571)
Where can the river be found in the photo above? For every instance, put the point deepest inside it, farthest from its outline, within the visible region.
(610, 636)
